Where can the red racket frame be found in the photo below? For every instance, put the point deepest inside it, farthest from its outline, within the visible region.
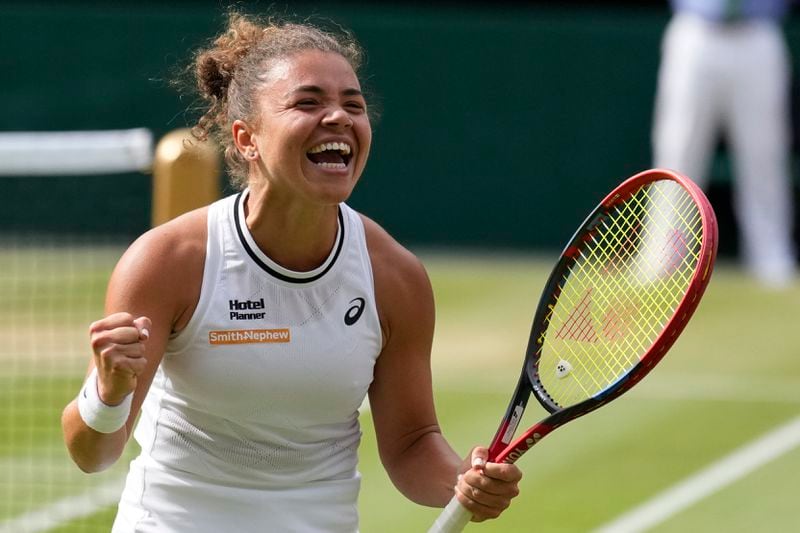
(529, 383)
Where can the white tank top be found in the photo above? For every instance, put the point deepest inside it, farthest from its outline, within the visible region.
(251, 423)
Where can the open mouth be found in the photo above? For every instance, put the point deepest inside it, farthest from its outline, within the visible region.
(334, 155)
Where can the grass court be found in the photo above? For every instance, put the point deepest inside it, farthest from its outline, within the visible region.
(733, 377)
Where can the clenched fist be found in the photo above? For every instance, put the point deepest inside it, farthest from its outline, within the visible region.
(118, 342)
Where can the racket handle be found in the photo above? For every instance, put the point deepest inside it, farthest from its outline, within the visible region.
(453, 519)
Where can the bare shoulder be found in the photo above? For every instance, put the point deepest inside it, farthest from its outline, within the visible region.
(177, 239)
(402, 288)
(163, 267)
(392, 262)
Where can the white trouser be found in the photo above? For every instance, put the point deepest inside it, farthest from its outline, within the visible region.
(732, 79)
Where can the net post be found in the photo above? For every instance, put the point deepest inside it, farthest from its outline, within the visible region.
(186, 175)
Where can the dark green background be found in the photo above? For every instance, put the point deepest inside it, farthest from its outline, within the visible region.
(502, 124)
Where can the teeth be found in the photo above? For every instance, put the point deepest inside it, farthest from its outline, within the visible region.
(343, 148)
(332, 165)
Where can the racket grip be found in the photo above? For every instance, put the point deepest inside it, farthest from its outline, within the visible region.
(453, 519)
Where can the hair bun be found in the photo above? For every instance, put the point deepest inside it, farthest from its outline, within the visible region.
(215, 67)
(228, 72)
(213, 79)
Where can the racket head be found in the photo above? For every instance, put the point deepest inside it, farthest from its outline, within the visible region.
(621, 292)
(653, 239)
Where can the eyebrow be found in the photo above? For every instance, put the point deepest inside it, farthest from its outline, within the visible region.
(316, 89)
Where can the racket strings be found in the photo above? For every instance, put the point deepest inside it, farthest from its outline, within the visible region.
(630, 274)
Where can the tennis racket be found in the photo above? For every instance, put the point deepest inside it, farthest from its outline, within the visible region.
(620, 294)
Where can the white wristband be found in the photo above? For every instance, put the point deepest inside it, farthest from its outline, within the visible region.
(96, 414)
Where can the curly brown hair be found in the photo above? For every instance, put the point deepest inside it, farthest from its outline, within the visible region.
(229, 71)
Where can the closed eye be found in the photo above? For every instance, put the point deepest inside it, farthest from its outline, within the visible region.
(356, 106)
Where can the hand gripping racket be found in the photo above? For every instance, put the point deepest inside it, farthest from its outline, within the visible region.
(620, 294)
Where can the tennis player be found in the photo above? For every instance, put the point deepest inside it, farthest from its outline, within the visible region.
(248, 333)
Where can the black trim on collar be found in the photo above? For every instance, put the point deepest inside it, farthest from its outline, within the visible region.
(271, 271)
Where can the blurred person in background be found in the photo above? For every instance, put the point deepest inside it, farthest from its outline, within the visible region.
(725, 71)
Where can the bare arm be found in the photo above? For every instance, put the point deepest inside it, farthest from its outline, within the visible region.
(152, 293)
(418, 459)
(416, 456)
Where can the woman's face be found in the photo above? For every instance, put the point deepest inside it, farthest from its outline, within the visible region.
(312, 132)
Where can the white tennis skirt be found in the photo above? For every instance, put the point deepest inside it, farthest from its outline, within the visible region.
(157, 500)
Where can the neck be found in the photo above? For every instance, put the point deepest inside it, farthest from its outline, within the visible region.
(296, 235)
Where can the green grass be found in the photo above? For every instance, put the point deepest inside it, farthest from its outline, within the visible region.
(731, 377)
(32, 410)
(53, 280)
(100, 521)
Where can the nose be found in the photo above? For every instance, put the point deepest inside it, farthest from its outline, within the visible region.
(337, 118)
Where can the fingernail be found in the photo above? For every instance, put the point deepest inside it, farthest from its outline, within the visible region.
(145, 333)
(478, 461)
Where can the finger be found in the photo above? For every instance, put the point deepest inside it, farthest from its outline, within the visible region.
(118, 336)
(112, 321)
(503, 472)
(144, 325)
(489, 485)
(479, 457)
(482, 506)
(123, 370)
(112, 352)
(488, 503)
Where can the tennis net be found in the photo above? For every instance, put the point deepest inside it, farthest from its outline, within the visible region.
(68, 202)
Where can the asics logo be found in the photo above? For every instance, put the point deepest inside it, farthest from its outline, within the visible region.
(354, 311)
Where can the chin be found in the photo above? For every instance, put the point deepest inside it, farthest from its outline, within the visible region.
(337, 197)
(332, 189)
